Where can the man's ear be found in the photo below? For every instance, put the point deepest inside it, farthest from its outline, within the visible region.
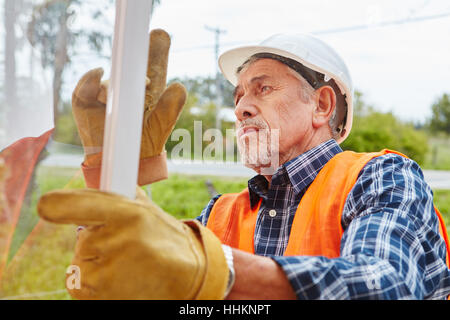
(324, 106)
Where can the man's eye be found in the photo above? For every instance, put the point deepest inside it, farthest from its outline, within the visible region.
(266, 89)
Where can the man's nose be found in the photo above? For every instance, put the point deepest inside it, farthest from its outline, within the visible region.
(245, 111)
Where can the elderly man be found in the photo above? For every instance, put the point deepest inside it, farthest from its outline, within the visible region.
(315, 223)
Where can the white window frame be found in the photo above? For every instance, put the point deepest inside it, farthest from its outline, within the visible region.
(126, 94)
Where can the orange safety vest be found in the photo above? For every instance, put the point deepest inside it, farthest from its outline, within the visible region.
(316, 229)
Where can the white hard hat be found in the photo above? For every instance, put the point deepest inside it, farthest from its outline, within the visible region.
(305, 49)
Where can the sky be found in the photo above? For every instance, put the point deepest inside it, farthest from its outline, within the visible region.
(398, 52)
(400, 67)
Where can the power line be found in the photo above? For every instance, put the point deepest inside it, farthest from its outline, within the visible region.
(336, 30)
(384, 24)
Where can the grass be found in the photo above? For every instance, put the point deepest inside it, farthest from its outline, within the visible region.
(442, 202)
(37, 270)
(186, 196)
(438, 156)
(37, 266)
(37, 262)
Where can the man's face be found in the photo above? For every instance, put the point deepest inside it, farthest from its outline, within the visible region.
(268, 99)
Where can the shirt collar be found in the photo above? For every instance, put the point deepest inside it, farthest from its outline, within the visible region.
(300, 172)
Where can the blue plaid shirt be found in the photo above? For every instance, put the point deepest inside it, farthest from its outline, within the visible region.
(391, 247)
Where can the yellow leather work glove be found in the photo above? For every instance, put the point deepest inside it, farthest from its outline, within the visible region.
(162, 108)
(132, 249)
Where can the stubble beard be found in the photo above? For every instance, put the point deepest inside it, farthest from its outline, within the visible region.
(259, 149)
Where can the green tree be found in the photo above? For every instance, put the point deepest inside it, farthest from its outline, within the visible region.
(205, 89)
(195, 111)
(200, 106)
(44, 38)
(374, 130)
(440, 119)
(49, 31)
(67, 128)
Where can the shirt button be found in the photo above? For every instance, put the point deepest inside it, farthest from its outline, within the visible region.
(272, 213)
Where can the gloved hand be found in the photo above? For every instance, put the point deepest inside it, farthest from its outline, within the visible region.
(132, 249)
(161, 111)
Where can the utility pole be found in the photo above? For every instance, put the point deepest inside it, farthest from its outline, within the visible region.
(219, 93)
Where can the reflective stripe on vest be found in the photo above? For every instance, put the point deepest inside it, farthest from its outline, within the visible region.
(316, 229)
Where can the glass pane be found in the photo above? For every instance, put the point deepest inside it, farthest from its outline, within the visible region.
(45, 47)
